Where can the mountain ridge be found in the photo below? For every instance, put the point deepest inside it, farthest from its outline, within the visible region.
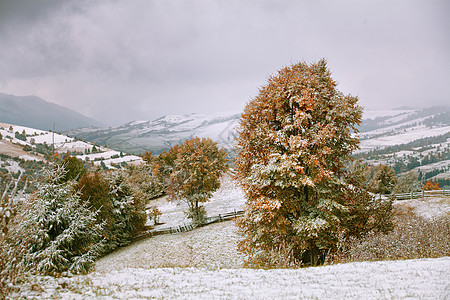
(35, 112)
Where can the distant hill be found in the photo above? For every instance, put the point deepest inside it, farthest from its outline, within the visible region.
(34, 112)
(33, 144)
(160, 134)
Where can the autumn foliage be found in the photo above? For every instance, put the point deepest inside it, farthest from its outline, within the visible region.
(196, 168)
(295, 138)
(430, 186)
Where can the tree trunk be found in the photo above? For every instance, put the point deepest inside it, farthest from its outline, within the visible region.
(314, 254)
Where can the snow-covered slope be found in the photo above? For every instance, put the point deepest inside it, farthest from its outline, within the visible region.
(34, 144)
(162, 133)
(417, 140)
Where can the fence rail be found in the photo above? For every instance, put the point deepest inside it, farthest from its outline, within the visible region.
(187, 227)
(420, 194)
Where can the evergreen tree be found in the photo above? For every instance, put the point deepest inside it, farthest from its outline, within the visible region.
(198, 166)
(120, 208)
(295, 138)
(383, 179)
(74, 167)
(62, 230)
(127, 210)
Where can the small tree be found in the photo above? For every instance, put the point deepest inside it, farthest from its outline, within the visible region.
(155, 214)
(145, 180)
(198, 166)
(384, 180)
(120, 210)
(127, 209)
(407, 183)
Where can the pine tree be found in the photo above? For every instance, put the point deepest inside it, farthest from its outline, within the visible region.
(383, 180)
(198, 166)
(126, 210)
(74, 168)
(61, 228)
(295, 138)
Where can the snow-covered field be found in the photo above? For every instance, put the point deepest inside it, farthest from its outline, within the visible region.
(426, 207)
(408, 279)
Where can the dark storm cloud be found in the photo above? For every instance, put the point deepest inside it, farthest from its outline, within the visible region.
(125, 60)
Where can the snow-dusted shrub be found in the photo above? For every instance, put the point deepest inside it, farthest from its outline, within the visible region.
(74, 168)
(154, 214)
(145, 182)
(11, 252)
(61, 230)
(408, 182)
(413, 237)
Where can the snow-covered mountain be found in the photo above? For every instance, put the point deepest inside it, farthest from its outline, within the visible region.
(162, 133)
(34, 112)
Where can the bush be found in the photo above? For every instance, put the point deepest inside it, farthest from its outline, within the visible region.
(74, 168)
(413, 237)
(145, 182)
(11, 252)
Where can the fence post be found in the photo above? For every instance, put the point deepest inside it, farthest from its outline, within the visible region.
(423, 194)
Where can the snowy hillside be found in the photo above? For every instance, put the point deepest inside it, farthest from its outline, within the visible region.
(407, 279)
(204, 264)
(34, 144)
(162, 133)
(417, 140)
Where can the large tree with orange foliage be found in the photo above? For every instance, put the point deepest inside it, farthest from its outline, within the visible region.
(295, 138)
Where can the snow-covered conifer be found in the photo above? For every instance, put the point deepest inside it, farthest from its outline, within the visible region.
(61, 229)
(126, 209)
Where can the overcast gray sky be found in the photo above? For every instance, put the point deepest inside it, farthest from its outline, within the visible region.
(119, 61)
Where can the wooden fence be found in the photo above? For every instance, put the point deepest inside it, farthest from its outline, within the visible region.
(187, 227)
(420, 194)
